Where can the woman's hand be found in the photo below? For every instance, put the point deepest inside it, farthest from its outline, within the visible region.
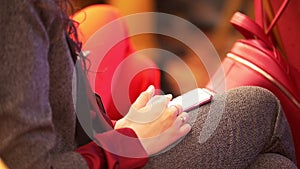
(156, 124)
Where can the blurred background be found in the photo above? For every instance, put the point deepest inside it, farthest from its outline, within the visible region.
(210, 16)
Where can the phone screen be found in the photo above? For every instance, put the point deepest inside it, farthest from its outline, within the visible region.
(192, 99)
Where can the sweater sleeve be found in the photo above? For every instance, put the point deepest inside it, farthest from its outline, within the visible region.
(27, 133)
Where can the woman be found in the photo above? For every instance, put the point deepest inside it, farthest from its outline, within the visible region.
(38, 126)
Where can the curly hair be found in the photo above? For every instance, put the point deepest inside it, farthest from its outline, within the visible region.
(70, 27)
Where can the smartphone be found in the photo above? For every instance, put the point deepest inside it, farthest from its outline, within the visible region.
(192, 99)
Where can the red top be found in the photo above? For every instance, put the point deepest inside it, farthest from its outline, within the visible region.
(98, 155)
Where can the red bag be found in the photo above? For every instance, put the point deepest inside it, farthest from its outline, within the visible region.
(289, 26)
(256, 61)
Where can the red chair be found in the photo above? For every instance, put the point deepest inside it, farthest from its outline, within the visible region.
(114, 71)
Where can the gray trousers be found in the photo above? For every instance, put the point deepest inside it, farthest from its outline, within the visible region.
(242, 128)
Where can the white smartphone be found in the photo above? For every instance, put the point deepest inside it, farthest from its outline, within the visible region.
(192, 99)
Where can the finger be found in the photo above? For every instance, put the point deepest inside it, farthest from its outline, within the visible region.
(169, 97)
(185, 129)
(144, 97)
(182, 119)
(176, 110)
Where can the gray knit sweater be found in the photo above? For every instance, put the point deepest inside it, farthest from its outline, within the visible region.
(35, 89)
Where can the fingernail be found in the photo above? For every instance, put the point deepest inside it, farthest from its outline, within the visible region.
(169, 96)
(150, 89)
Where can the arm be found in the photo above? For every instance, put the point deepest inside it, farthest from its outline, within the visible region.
(27, 134)
(27, 131)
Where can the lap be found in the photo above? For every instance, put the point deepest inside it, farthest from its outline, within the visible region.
(229, 132)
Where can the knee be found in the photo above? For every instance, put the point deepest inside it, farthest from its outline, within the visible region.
(253, 105)
(253, 98)
(253, 93)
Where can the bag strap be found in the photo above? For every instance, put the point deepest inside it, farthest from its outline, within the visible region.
(249, 28)
(256, 29)
(259, 14)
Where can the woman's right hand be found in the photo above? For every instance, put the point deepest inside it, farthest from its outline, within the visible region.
(156, 125)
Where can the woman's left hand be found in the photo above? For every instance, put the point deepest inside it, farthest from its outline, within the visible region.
(156, 125)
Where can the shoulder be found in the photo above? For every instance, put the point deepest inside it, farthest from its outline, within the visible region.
(37, 12)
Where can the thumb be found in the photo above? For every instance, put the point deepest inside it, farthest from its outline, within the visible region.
(143, 98)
